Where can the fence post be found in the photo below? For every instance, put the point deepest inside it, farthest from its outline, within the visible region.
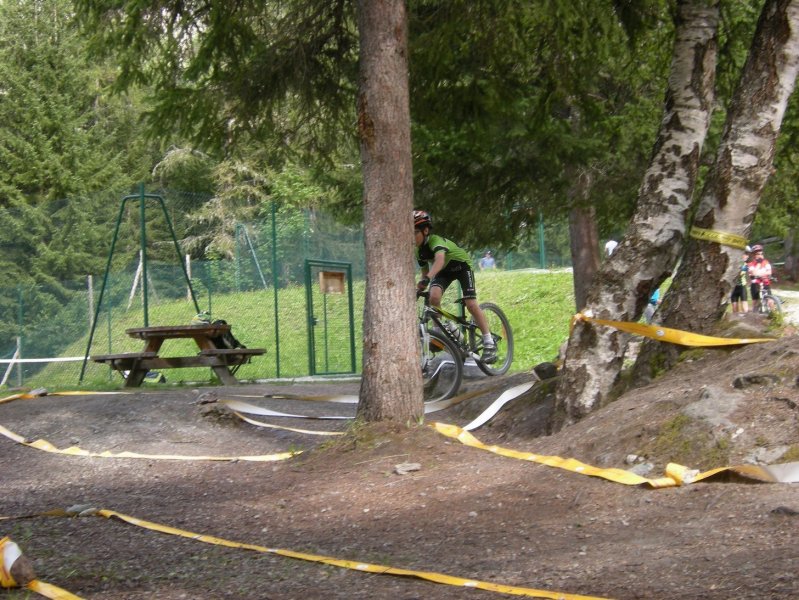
(275, 282)
(542, 249)
(20, 318)
(143, 242)
(11, 365)
(19, 361)
(237, 257)
(90, 290)
(188, 273)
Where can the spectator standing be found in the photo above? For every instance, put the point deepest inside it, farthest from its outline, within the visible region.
(651, 306)
(487, 262)
(738, 298)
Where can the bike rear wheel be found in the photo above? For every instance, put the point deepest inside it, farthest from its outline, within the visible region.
(442, 367)
(501, 330)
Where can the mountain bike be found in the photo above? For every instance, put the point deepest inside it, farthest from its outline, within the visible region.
(768, 303)
(449, 340)
(442, 366)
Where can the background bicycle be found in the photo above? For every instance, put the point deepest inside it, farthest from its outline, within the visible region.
(768, 303)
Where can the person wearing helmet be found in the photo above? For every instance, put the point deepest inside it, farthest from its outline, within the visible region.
(442, 262)
(738, 296)
(759, 273)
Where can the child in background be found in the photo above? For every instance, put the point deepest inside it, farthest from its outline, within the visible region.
(759, 273)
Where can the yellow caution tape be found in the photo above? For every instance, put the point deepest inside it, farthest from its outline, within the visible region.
(46, 446)
(720, 237)
(12, 397)
(50, 591)
(273, 426)
(9, 554)
(238, 405)
(429, 407)
(348, 564)
(342, 398)
(85, 511)
(676, 475)
(437, 405)
(40, 393)
(493, 408)
(674, 336)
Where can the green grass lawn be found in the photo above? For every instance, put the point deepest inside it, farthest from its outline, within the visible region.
(538, 304)
(539, 307)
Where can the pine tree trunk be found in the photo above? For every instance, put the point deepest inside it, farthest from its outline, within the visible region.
(649, 250)
(701, 290)
(584, 239)
(391, 387)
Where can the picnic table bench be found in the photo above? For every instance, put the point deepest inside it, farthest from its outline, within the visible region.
(223, 361)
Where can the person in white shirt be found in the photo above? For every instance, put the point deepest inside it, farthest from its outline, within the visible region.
(487, 262)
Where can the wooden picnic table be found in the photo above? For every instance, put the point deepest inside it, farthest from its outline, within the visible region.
(220, 360)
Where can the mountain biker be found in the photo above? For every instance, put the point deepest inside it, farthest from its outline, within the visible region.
(759, 273)
(442, 262)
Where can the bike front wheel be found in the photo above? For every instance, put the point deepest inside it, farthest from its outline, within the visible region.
(442, 367)
(771, 304)
(502, 333)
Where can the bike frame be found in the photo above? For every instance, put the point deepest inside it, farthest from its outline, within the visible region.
(464, 338)
(436, 314)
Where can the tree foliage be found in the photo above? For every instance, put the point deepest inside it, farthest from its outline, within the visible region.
(533, 89)
(67, 152)
(60, 138)
(222, 72)
(504, 94)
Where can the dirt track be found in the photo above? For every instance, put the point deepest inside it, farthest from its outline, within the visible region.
(466, 512)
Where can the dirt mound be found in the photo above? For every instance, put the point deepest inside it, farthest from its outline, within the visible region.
(718, 406)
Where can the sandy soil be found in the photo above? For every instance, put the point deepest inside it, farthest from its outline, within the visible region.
(465, 512)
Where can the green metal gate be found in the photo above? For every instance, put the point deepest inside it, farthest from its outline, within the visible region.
(331, 325)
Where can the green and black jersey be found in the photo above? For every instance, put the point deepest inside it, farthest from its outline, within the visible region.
(434, 244)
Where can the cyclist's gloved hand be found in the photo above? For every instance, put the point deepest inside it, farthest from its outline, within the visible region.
(423, 283)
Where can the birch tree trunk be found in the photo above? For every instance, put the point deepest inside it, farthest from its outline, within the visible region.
(649, 250)
(391, 388)
(701, 290)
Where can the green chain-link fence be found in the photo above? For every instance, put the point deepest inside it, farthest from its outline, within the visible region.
(261, 290)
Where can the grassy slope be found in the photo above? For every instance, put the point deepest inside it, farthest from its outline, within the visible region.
(538, 305)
